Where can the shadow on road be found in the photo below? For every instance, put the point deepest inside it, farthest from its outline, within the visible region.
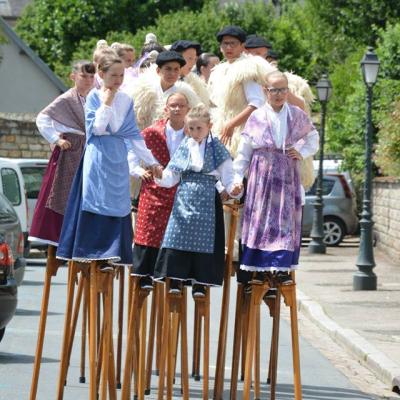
(32, 313)
(40, 283)
(13, 358)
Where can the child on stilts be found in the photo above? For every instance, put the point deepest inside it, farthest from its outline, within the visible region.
(193, 246)
(98, 216)
(275, 138)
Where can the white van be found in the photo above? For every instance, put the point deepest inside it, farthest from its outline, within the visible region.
(21, 179)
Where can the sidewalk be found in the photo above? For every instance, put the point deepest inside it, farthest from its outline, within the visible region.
(366, 323)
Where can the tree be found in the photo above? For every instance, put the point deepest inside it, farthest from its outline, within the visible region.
(54, 28)
(359, 19)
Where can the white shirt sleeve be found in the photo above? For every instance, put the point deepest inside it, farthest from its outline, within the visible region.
(169, 178)
(227, 176)
(135, 169)
(103, 118)
(309, 145)
(254, 94)
(139, 148)
(46, 128)
(51, 130)
(243, 158)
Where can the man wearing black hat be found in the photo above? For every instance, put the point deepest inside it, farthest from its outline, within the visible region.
(257, 46)
(190, 52)
(235, 86)
(155, 85)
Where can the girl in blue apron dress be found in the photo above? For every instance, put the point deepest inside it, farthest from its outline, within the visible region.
(97, 222)
(193, 248)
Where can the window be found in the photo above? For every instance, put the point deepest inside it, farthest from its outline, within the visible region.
(327, 186)
(11, 188)
(7, 213)
(33, 177)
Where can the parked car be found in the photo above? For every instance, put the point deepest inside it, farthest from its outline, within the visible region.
(21, 179)
(340, 209)
(12, 263)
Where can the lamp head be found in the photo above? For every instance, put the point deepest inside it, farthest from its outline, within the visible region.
(370, 67)
(324, 89)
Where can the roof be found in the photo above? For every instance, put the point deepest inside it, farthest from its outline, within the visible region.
(12, 8)
(11, 35)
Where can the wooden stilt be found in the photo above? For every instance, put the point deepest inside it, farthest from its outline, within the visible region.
(152, 329)
(141, 368)
(75, 316)
(289, 295)
(93, 316)
(196, 343)
(132, 304)
(121, 277)
(106, 342)
(175, 315)
(257, 388)
(223, 327)
(275, 344)
(135, 361)
(160, 316)
(237, 340)
(72, 273)
(51, 270)
(85, 306)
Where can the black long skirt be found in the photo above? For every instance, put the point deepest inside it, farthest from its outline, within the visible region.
(144, 260)
(203, 268)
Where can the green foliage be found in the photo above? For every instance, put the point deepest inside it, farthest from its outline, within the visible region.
(388, 149)
(358, 19)
(54, 28)
(389, 51)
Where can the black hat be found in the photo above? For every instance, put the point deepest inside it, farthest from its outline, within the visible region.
(272, 54)
(235, 31)
(182, 45)
(168, 56)
(254, 42)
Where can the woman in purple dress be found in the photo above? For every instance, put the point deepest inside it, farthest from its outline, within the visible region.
(276, 137)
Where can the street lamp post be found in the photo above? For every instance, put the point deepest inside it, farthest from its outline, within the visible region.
(365, 278)
(317, 245)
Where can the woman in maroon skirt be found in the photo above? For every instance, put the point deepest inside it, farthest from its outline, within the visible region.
(61, 123)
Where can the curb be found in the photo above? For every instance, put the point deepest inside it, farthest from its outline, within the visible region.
(368, 355)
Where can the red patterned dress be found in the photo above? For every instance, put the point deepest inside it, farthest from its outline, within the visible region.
(155, 206)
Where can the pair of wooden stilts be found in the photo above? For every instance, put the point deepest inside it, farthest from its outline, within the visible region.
(246, 343)
(170, 321)
(92, 285)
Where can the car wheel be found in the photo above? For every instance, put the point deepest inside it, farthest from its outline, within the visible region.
(2, 333)
(333, 231)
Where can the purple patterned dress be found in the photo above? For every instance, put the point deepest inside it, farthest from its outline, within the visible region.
(271, 232)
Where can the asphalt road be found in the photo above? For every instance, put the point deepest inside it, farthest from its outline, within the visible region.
(320, 379)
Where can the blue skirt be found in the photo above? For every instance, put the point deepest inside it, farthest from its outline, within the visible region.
(86, 236)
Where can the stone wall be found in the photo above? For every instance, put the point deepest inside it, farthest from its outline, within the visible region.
(19, 137)
(386, 207)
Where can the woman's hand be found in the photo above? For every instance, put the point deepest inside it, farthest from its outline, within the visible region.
(237, 189)
(109, 95)
(224, 196)
(294, 154)
(226, 134)
(147, 176)
(63, 144)
(157, 171)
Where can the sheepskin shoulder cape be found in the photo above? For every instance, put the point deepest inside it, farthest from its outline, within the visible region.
(149, 101)
(226, 88)
(300, 87)
(199, 87)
